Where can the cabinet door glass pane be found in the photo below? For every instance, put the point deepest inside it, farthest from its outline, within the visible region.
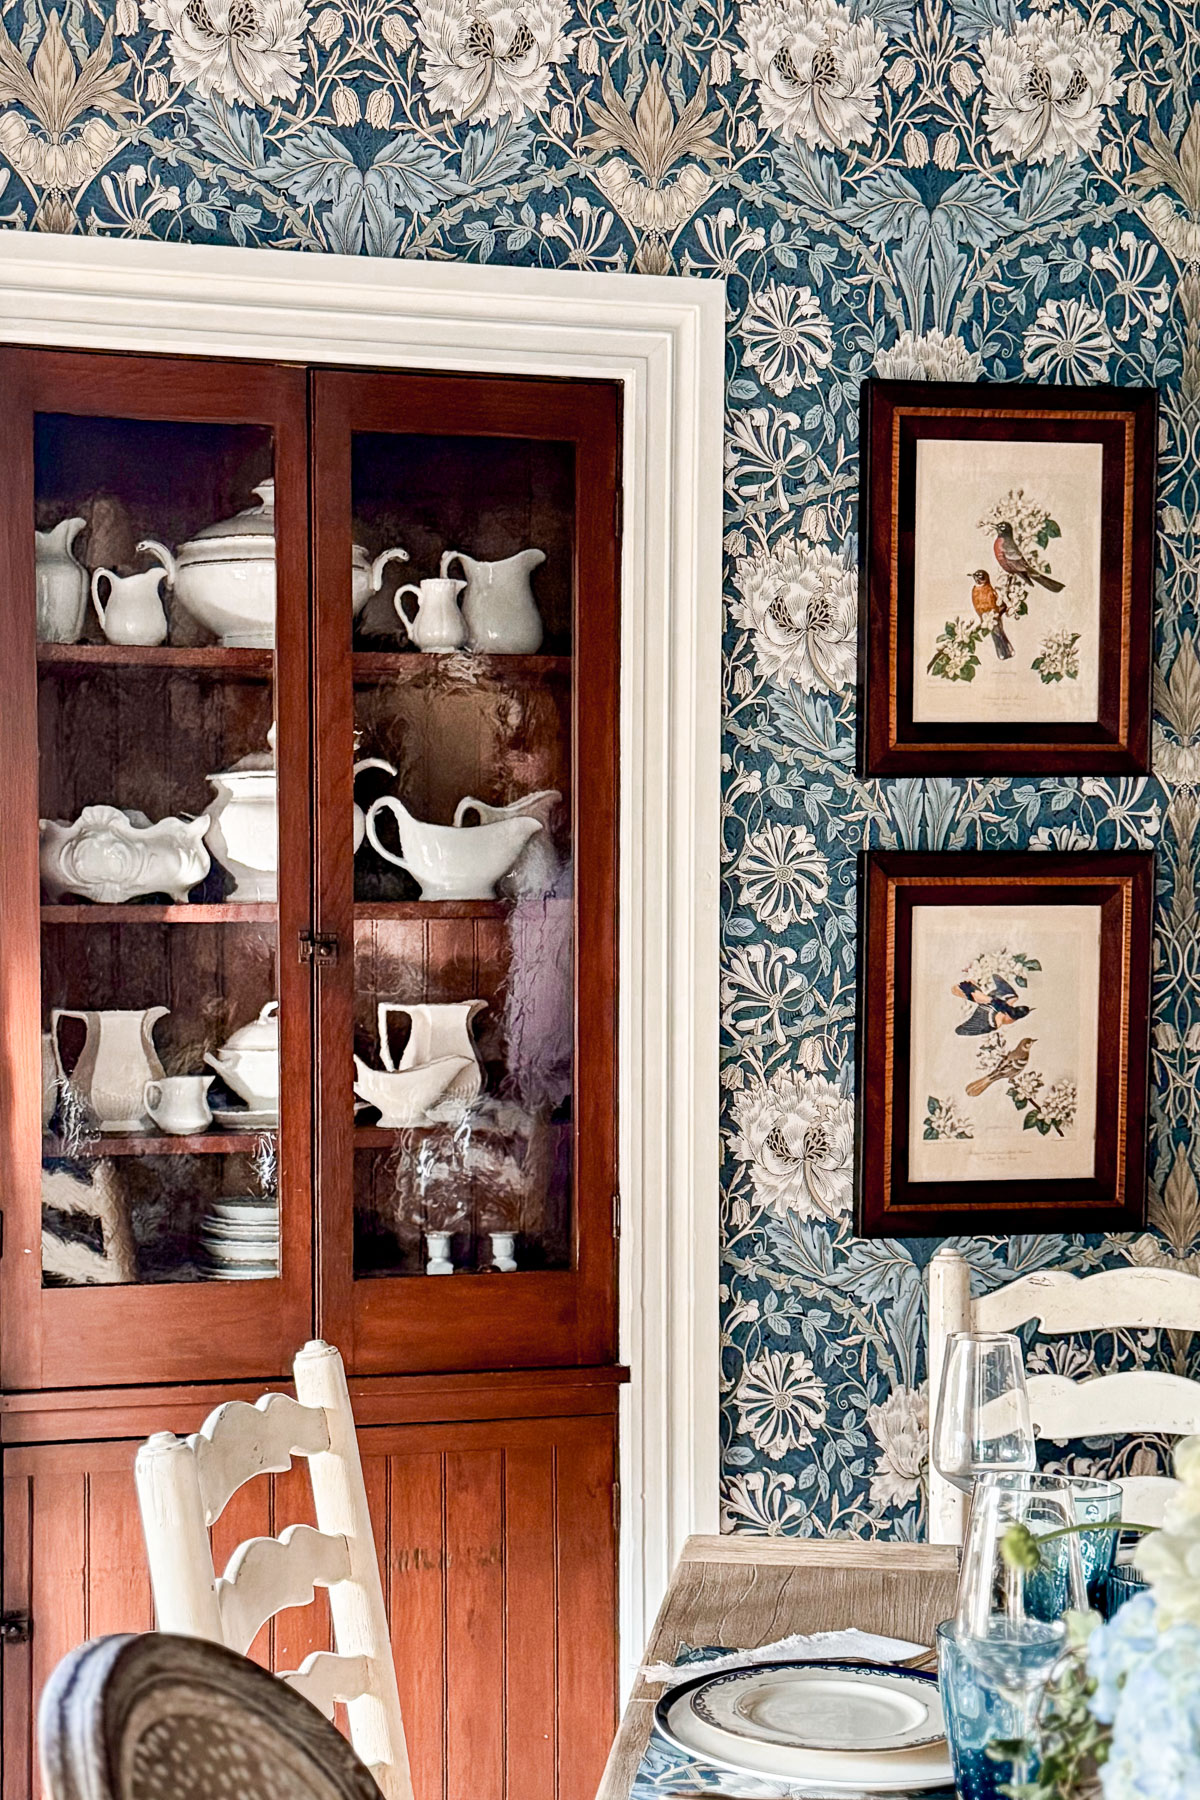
(463, 881)
(160, 1078)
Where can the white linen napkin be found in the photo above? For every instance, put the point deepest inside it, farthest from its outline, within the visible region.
(815, 1646)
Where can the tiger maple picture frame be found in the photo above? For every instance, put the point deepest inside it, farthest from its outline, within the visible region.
(1006, 576)
(1003, 1042)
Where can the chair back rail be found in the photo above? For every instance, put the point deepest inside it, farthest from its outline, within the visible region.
(185, 1484)
(1130, 1401)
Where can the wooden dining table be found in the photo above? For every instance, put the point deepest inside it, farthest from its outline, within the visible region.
(740, 1592)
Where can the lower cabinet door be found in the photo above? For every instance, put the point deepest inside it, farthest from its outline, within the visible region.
(498, 1554)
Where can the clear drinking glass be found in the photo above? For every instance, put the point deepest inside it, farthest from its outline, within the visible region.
(1010, 1621)
(983, 1421)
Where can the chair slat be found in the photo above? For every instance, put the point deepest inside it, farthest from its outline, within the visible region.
(324, 1678)
(1133, 1400)
(1113, 1300)
(265, 1575)
(238, 1442)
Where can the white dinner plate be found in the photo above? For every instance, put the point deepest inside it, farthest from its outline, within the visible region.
(851, 1769)
(818, 1707)
(244, 1118)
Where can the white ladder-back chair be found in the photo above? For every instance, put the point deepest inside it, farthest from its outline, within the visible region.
(1130, 1401)
(184, 1485)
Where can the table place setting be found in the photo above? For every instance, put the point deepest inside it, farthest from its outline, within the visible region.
(829, 1715)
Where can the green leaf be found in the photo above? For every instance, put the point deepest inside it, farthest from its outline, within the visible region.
(1051, 529)
(933, 1104)
(1031, 1119)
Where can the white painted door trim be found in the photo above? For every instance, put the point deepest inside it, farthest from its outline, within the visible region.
(663, 339)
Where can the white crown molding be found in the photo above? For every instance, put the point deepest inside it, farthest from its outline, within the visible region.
(663, 339)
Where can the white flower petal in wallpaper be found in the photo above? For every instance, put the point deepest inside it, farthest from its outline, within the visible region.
(900, 1426)
(781, 1402)
(796, 1134)
(784, 876)
(244, 50)
(931, 356)
(484, 59)
(801, 602)
(816, 68)
(1048, 82)
(787, 338)
(1068, 342)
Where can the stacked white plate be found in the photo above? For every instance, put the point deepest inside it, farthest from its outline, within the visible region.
(841, 1727)
(240, 1238)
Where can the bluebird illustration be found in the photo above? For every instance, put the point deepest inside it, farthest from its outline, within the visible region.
(1014, 563)
(1009, 1066)
(991, 610)
(995, 1007)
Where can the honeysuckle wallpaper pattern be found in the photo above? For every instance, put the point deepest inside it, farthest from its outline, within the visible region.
(1003, 189)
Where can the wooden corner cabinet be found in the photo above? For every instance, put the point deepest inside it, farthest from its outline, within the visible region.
(308, 991)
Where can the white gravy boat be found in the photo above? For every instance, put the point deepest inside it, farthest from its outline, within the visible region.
(452, 862)
(404, 1096)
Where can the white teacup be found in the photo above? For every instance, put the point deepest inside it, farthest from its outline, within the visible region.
(178, 1104)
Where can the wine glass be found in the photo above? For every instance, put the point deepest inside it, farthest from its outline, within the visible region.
(983, 1421)
(1010, 1621)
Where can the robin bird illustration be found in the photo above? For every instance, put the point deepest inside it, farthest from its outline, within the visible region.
(1013, 563)
(1014, 1061)
(995, 1007)
(987, 604)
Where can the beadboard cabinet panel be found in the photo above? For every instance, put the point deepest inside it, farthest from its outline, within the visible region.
(496, 1542)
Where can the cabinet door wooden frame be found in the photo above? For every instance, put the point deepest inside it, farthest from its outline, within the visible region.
(663, 340)
(53, 1337)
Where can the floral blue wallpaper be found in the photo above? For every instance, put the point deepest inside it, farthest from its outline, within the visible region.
(988, 188)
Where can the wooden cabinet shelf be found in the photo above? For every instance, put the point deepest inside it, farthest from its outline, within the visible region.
(205, 659)
(366, 910)
(160, 1143)
(229, 912)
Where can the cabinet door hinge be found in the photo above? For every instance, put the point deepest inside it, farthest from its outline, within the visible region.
(616, 1506)
(616, 1213)
(15, 1628)
(319, 947)
(618, 512)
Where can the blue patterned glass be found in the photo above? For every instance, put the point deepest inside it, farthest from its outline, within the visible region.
(1046, 1592)
(976, 1715)
(1121, 1584)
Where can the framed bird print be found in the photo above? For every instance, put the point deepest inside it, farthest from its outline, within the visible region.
(1003, 1047)
(1006, 579)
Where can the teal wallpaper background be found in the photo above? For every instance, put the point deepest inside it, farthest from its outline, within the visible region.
(994, 189)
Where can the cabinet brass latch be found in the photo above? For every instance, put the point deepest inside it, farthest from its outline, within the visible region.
(319, 947)
(15, 1628)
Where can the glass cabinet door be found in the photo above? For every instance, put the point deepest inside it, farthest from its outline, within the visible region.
(157, 878)
(466, 704)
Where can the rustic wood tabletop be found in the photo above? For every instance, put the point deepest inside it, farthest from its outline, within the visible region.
(740, 1592)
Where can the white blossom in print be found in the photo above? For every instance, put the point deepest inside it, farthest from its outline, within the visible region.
(485, 59)
(796, 1133)
(247, 51)
(1068, 341)
(931, 356)
(1175, 230)
(786, 337)
(764, 1501)
(901, 1429)
(781, 1402)
(784, 876)
(817, 69)
(1047, 82)
(801, 602)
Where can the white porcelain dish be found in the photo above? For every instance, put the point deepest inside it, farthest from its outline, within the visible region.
(816, 1707)
(245, 1118)
(850, 1770)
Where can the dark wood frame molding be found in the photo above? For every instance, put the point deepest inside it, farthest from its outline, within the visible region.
(890, 883)
(895, 415)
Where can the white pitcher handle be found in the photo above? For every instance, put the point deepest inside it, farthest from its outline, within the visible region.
(396, 554)
(410, 587)
(160, 553)
(59, 1013)
(382, 1013)
(449, 556)
(99, 575)
(464, 806)
(387, 802)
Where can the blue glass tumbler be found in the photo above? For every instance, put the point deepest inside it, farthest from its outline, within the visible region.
(976, 1715)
